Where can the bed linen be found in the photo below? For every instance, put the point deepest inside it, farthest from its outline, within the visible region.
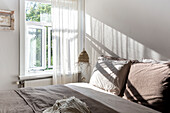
(36, 100)
(68, 105)
(11, 102)
(115, 102)
(39, 99)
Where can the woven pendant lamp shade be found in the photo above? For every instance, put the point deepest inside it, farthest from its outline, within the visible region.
(83, 57)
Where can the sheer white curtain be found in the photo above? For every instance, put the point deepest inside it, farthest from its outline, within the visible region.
(65, 24)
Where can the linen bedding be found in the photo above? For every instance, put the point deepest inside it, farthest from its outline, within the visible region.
(68, 105)
(36, 100)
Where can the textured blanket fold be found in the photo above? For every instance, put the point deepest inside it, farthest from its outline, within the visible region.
(69, 105)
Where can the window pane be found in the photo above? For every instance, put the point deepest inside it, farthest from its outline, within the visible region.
(51, 49)
(38, 12)
(35, 36)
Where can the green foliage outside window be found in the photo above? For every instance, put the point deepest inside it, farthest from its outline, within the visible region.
(35, 9)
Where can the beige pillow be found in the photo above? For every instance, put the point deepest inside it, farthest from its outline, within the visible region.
(149, 84)
(110, 75)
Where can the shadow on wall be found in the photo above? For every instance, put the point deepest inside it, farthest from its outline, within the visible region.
(102, 39)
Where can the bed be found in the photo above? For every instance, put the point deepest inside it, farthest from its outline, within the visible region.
(116, 86)
(36, 100)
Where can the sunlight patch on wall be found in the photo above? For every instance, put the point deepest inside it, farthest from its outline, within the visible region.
(102, 39)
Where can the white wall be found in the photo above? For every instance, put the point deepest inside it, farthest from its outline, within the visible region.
(9, 49)
(132, 29)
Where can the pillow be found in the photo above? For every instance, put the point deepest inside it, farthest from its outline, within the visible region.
(149, 61)
(110, 75)
(149, 85)
(103, 57)
(154, 61)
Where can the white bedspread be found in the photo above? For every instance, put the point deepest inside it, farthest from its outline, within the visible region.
(117, 103)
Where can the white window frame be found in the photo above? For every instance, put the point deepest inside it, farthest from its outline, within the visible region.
(49, 47)
(43, 57)
(22, 38)
(23, 52)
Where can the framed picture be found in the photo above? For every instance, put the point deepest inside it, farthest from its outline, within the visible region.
(6, 20)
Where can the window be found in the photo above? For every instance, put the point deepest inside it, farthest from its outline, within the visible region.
(38, 36)
(38, 11)
(35, 47)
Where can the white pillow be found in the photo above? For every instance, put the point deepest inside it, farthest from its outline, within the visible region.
(110, 75)
(149, 61)
(154, 61)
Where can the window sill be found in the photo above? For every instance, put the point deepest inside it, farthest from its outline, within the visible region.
(36, 75)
